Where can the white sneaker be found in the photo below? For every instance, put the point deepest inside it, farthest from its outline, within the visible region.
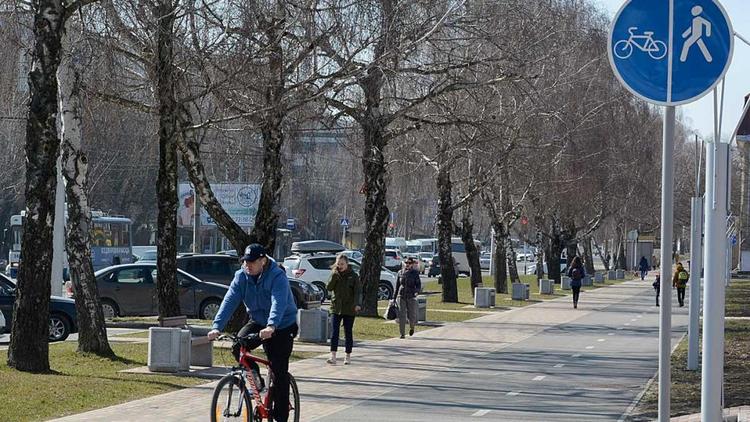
(331, 361)
(347, 360)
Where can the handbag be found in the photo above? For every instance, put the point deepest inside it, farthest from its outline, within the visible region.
(391, 311)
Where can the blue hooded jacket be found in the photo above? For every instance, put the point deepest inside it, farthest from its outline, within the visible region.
(267, 297)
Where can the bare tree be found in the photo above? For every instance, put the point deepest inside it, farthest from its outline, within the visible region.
(29, 350)
(92, 332)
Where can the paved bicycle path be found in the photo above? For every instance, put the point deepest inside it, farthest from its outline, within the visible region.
(486, 368)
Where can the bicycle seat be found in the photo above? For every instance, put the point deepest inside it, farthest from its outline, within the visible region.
(648, 32)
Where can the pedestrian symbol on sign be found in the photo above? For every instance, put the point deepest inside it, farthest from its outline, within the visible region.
(695, 32)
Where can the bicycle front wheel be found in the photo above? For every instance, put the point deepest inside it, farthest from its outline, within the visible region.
(293, 399)
(231, 401)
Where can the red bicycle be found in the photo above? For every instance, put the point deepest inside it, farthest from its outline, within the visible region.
(237, 391)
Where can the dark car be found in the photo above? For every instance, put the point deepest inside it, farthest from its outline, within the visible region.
(130, 289)
(62, 311)
(220, 269)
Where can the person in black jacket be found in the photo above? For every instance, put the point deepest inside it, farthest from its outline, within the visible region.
(576, 274)
(407, 289)
(643, 267)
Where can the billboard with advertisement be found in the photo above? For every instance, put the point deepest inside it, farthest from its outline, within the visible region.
(240, 201)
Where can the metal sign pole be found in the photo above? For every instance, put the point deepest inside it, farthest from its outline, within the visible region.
(667, 213)
(713, 286)
(696, 261)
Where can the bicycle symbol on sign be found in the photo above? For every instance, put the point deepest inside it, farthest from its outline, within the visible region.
(645, 42)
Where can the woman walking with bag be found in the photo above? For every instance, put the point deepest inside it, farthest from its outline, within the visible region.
(576, 274)
(345, 303)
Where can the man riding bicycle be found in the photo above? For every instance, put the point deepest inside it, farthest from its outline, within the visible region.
(264, 289)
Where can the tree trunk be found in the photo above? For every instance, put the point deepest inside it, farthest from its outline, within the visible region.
(588, 258)
(553, 257)
(511, 257)
(445, 231)
(376, 214)
(169, 111)
(29, 349)
(266, 220)
(472, 255)
(500, 258)
(602, 255)
(92, 332)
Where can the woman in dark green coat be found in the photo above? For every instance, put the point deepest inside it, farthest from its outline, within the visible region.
(345, 303)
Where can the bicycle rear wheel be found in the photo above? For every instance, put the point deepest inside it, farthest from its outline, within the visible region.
(231, 401)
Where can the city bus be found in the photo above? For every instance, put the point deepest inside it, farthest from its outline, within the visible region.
(111, 242)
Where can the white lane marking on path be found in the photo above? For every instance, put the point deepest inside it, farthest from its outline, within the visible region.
(481, 412)
(539, 377)
(559, 365)
(640, 316)
(601, 339)
(577, 355)
(589, 347)
(620, 328)
(513, 393)
(611, 334)
(627, 323)
(633, 320)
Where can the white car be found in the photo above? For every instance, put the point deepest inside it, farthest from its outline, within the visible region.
(392, 259)
(2, 323)
(484, 261)
(531, 269)
(316, 269)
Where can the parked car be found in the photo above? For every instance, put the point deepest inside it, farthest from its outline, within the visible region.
(531, 268)
(316, 269)
(426, 258)
(435, 267)
(147, 256)
(485, 260)
(392, 259)
(2, 323)
(220, 269)
(353, 254)
(62, 311)
(130, 289)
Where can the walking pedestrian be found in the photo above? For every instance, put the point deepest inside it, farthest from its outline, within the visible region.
(408, 287)
(576, 274)
(345, 303)
(657, 287)
(679, 281)
(643, 267)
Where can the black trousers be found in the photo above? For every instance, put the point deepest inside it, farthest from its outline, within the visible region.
(681, 295)
(658, 292)
(576, 293)
(278, 350)
(348, 325)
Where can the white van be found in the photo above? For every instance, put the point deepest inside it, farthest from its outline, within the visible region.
(457, 249)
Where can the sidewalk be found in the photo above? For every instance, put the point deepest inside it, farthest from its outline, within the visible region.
(382, 367)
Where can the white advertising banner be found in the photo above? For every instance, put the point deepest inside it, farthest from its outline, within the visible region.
(240, 201)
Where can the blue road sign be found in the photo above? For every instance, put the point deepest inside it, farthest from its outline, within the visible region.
(733, 239)
(291, 224)
(344, 222)
(670, 52)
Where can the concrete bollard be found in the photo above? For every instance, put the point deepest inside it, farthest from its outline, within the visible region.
(565, 283)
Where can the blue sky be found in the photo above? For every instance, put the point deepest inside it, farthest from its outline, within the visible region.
(699, 114)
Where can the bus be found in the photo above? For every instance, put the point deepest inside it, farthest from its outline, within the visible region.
(110, 241)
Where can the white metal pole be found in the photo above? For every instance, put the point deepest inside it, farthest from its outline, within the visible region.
(492, 252)
(713, 287)
(667, 213)
(696, 261)
(58, 235)
(196, 221)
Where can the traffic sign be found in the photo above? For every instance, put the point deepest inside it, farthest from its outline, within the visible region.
(670, 52)
(733, 239)
(344, 222)
(291, 223)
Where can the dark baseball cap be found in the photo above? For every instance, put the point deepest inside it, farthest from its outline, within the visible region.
(253, 252)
